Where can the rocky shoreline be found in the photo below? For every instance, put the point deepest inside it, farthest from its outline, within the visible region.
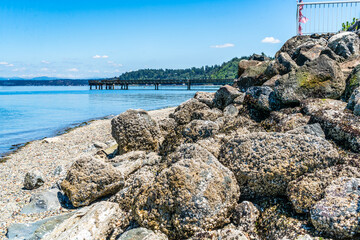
(276, 156)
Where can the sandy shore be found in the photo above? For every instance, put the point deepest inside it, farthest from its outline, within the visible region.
(46, 155)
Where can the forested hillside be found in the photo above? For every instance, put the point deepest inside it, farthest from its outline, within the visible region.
(227, 70)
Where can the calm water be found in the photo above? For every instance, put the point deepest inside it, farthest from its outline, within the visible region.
(30, 113)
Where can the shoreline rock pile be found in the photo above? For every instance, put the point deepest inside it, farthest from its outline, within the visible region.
(276, 156)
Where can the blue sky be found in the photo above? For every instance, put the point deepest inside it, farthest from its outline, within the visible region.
(104, 38)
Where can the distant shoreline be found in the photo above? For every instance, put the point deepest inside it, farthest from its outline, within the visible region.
(57, 82)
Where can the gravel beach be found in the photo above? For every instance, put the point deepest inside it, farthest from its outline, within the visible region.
(46, 155)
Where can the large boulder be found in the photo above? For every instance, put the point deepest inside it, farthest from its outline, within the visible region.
(97, 221)
(338, 124)
(291, 45)
(89, 179)
(225, 96)
(320, 78)
(264, 163)
(205, 97)
(281, 65)
(308, 51)
(245, 64)
(135, 184)
(196, 192)
(308, 189)
(135, 130)
(183, 112)
(199, 129)
(253, 76)
(345, 44)
(262, 98)
(338, 213)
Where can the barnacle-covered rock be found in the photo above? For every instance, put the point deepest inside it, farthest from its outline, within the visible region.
(264, 163)
(183, 112)
(308, 189)
(135, 130)
(338, 213)
(338, 124)
(195, 193)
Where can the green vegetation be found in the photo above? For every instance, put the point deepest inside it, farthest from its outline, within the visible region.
(227, 70)
(345, 26)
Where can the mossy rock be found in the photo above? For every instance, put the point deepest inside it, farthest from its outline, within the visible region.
(352, 82)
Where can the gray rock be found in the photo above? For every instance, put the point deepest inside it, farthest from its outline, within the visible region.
(339, 125)
(264, 163)
(194, 193)
(58, 171)
(245, 217)
(33, 179)
(262, 98)
(97, 221)
(320, 78)
(136, 130)
(245, 64)
(225, 96)
(199, 129)
(183, 112)
(205, 97)
(44, 201)
(308, 189)
(308, 51)
(231, 111)
(89, 179)
(253, 76)
(354, 99)
(352, 82)
(338, 213)
(285, 120)
(35, 230)
(345, 44)
(312, 129)
(142, 234)
(292, 44)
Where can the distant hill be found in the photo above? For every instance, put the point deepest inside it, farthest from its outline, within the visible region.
(34, 82)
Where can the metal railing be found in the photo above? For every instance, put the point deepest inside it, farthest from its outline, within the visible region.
(325, 17)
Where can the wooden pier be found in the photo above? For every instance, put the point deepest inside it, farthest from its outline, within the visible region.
(117, 84)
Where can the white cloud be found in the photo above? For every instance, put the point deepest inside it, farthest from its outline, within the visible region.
(94, 71)
(4, 63)
(98, 56)
(270, 40)
(44, 69)
(226, 45)
(73, 70)
(10, 65)
(46, 62)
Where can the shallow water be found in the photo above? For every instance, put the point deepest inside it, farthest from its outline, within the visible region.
(30, 113)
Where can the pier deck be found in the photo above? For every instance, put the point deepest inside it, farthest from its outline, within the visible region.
(113, 84)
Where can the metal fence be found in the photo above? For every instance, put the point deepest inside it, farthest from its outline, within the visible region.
(325, 17)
